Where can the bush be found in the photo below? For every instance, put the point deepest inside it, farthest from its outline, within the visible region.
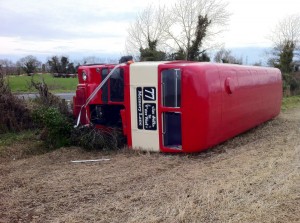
(47, 99)
(90, 138)
(291, 84)
(56, 126)
(294, 84)
(14, 114)
(52, 115)
(58, 131)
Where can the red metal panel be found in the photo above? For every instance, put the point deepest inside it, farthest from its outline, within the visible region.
(201, 108)
(78, 101)
(127, 120)
(257, 99)
(221, 101)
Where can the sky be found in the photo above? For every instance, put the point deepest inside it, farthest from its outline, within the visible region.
(80, 28)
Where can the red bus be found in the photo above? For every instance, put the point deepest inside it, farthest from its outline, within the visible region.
(177, 106)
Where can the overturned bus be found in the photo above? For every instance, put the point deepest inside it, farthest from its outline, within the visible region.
(177, 106)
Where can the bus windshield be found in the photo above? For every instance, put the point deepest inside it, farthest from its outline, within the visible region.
(113, 89)
(117, 85)
(171, 88)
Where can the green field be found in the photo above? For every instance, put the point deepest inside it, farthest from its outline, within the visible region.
(21, 84)
(290, 102)
(7, 139)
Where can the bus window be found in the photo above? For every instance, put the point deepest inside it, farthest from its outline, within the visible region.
(172, 129)
(105, 86)
(171, 88)
(117, 85)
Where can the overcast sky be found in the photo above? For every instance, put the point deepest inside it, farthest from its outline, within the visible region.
(98, 28)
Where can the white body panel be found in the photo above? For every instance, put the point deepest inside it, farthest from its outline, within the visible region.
(144, 74)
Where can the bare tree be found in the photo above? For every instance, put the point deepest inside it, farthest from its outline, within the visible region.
(286, 43)
(225, 56)
(184, 20)
(288, 29)
(92, 60)
(8, 67)
(29, 64)
(149, 26)
(176, 29)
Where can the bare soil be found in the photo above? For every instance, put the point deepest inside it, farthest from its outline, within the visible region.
(254, 177)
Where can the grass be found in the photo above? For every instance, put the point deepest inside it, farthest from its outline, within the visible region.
(251, 178)
(290, 102)
(18, 145)
(8, 139)
(21, 84)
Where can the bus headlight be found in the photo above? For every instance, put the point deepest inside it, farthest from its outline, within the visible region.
(84, 75)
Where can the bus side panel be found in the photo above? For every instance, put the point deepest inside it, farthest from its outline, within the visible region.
(233, 105)
(127, 110)
(220, 102)
(256, 98)
(201, 107)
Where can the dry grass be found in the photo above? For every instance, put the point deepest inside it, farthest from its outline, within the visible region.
(251, 178)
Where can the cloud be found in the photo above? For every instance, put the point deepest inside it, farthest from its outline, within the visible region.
(68, 19)
(93, 27)
(89, 27)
